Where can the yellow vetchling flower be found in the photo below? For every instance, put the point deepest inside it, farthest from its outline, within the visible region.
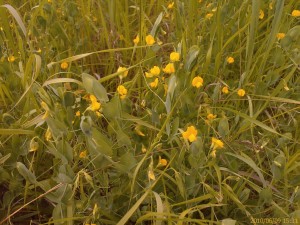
(46, 115)
(144, 150)
(98, 114)
(241, 92)
(154, 83)
(138, 131)
(174, 56)
(122, 91)
(46, 108)
(148, 75)
(64, 65)
(162, 162)
(95, 105)
(230, 60)
(296, 13)
(150, 39)
(190, 134)
(33, 146)
(77, 113)
(216, 143)
(155, 70)
(171, 5)
(151, 175)
(225, 90)
(197, 82)
(169, 68)
(261, 14)
(48, 134)
(123, 72)
(209, 15)
(83, 154)
(280, 36)
(136, 40)
(271, 5)
(11, 58)
(211, 116)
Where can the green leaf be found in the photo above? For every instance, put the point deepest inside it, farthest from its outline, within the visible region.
(93, 86)
(4, 158)
(265, 195)
(15, 131)
(101, 142)
(251, 163)
(191, 57)
(17, 17)
(223, 127)
(156, 24)
(180, 184)
(28, 175)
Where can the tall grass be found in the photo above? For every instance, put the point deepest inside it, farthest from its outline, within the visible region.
(75, 149)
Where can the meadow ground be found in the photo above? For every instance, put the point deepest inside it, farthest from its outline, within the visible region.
(149, 112)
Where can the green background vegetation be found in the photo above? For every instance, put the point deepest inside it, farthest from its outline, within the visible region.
(255, 175)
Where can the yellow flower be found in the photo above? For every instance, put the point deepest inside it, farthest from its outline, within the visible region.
(148, 75)
(11, 58)
(64, 65)
(261, 14)
(77, 113)
(209, 15)
(296, 13)
(155, 70)
(190, 134)
(169, 68)
(280, 36)
(150, 39)
(95, 105)
(154, 83)
(136, 40)
(216, 143)
(213, 153)
(211, 116)
(225, 90)
(162, 162)
(151, 175)
(45, 116)
(271, 5)
(122, 91)
(241, 92)
(144, 150)
(49, 1)
(138, 131)
(123, 72)
(48, 134)
(34, 145)
(230, 60)
(83, 154)
(197, 82)
(171, 5)
(174, 56)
